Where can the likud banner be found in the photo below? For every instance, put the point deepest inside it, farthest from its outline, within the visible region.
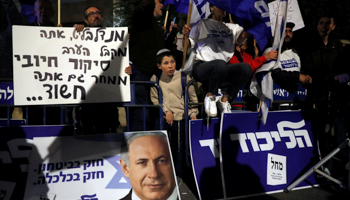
(252, 158)
(90, 167)
(6, 93)
(55, 65)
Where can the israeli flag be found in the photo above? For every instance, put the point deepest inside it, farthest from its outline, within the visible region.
(200, 10)
(262, 83)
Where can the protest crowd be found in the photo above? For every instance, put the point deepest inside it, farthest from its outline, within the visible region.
(222, 59)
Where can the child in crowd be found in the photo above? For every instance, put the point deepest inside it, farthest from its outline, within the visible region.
(173, 104)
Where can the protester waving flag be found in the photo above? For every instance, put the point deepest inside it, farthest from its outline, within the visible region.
(262, 83)
(252, 15)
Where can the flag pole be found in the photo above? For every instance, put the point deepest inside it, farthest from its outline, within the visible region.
(59, 13)
(166, 15)
(186, 37)
(229, 15)
(259, 106)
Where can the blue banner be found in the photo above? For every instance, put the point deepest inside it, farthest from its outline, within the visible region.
(16, 147)
(205, 158)
(6, 93)
(181, 6)
(279, 94)
(252, 15)
(256, 158)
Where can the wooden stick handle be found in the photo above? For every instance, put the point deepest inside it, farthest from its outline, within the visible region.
(166, 16)
(259, 106)
(185, 38)
(59, 12)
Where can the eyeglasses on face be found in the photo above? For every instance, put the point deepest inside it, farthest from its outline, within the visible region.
(93, 13)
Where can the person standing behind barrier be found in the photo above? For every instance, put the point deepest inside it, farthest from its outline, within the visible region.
(43, 12)
(146, 38)
(325, 50)
(215, 45)
(99, 118)
(289, 74)
(172, 87)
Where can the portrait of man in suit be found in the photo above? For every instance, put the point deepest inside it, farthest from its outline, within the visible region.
(146, 161)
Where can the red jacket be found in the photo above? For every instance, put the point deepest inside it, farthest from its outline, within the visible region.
(254, 63)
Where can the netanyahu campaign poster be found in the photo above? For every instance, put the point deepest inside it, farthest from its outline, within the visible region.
(110, 166)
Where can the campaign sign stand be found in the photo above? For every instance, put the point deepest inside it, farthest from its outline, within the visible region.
(204, 142)
(255, 158)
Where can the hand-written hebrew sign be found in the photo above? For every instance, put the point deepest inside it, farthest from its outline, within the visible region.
(63, 66)
(293, 14)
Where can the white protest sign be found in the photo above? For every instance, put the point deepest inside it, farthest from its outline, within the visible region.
(293, 14)
(78, 168)
(54, 65)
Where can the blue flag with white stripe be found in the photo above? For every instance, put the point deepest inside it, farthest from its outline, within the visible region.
(262, 83)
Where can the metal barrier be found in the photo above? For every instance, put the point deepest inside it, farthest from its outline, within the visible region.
(281, 96)
(133, 103)
(64, 109)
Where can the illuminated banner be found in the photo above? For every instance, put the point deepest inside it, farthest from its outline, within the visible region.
(89, 167)
(256, 158)
(62, 66)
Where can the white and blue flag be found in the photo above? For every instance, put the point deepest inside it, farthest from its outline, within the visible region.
(252, 15)
(262, 83)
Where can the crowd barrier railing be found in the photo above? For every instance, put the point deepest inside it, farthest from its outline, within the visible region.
(144, 106)
(7, 105)
(281, 96)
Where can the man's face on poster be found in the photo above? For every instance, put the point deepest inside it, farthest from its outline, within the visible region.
(150, 170)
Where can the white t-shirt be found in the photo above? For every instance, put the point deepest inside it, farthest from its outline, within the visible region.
(288, 60)
(215, 39)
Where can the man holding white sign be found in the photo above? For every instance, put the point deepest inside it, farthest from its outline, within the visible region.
(101, 118)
